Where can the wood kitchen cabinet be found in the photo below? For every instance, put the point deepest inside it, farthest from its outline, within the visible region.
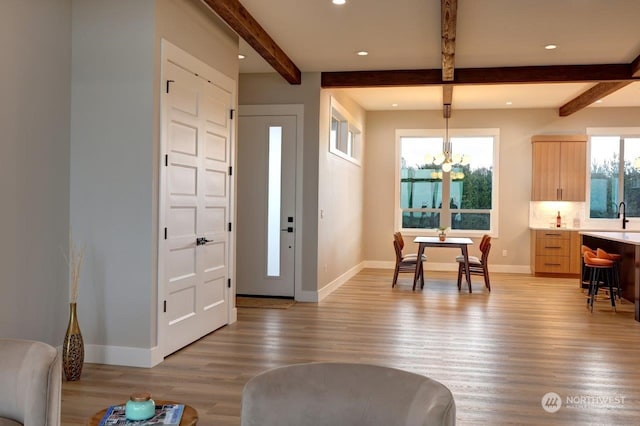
(559, 167)
(555, 252)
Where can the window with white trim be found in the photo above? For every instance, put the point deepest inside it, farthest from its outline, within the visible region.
(345, 137)
(469, 189)
(614, 172)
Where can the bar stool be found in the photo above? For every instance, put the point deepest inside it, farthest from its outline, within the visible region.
(615, 257)
(585, 272)
(600, 271)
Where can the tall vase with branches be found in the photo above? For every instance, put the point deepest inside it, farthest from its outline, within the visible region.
(73, 346)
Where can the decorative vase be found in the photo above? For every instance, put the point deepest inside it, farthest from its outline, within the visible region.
(73, 347)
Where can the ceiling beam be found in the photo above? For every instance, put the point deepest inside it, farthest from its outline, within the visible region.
(598, 91)
(449, 9)
(635, 67)
(245, 25)
(466, 76)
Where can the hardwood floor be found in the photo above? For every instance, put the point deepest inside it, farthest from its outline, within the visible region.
(499, 353)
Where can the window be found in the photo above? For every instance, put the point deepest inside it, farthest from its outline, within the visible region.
(614, 158)
(468, 190)
(345, 137)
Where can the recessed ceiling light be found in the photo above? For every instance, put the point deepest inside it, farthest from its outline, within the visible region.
(599, 101)
(509, 103)
(551, 46)
(241, 56)
(338, 1)
(363, 53)
(394, 105)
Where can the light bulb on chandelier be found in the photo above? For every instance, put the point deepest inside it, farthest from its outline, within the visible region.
(445, 158)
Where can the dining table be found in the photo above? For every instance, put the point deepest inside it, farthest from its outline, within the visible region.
(449, 242)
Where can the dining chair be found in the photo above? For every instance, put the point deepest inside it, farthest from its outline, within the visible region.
(477, 266)
(406, 263)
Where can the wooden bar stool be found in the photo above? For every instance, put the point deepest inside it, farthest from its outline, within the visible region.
(600, 274)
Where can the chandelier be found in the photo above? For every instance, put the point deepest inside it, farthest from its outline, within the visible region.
(446, 159)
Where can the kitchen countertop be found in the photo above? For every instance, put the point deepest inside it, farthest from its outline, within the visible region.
(627, 237)
(581, 229)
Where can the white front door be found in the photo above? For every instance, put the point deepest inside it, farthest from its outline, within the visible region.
(266, 204)
(195, 216)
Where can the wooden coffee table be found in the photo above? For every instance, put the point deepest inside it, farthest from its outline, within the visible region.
(189, 416)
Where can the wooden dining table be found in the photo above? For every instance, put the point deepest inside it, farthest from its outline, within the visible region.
(451, 242)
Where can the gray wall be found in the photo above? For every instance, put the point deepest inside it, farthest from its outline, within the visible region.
(112, 168)
(115, 153)
(265, 89)
(35, 83)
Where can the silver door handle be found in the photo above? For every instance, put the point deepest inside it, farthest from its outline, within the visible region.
(289, 229)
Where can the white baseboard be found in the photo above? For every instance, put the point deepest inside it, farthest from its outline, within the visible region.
(337, 283)
(123, 355)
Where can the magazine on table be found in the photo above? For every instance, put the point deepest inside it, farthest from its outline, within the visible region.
(166, 414)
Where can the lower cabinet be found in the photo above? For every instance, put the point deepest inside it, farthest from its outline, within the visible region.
(555, 252)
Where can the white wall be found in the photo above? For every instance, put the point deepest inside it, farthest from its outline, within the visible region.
(516, 128)
(35, 83)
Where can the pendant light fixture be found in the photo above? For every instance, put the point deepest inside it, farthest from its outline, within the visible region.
(446, 158)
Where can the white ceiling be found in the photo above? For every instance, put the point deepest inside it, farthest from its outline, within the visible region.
(405, 34)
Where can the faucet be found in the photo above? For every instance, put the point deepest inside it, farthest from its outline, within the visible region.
(622, 206)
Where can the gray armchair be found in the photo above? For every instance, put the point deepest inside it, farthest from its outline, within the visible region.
(30, 383)
(336, 394)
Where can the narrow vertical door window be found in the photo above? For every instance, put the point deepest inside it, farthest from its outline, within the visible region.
(273, 201)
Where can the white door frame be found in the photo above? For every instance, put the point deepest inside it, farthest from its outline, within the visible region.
(298, 111)
(177, 55)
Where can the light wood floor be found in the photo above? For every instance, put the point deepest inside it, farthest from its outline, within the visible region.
(499, 353)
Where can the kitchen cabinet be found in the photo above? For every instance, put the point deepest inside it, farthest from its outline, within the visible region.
(559, 167)
(555, 252)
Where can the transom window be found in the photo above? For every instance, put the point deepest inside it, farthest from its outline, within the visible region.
(614, 172)
(468, 190)
(345, 137)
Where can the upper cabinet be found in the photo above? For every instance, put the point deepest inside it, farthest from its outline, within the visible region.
(559, 167)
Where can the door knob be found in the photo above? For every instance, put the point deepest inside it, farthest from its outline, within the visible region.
(289, 229)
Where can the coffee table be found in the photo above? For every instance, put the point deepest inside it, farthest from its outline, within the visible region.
(189, 416)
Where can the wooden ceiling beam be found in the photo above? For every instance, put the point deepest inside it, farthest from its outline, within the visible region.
(467, 76)
(635, 67)
(598, 91)
(449, 9)
(585, 99)
(245, 25)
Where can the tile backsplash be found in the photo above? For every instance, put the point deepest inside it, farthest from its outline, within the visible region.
(542, 214)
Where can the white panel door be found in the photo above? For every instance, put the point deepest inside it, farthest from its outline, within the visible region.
(266, 204)
(196, 206)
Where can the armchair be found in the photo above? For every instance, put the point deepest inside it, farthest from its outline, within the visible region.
(30, 383)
